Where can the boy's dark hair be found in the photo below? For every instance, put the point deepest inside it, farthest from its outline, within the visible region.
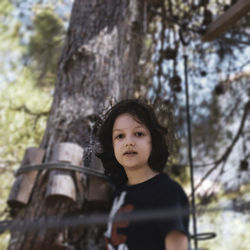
(143, 113)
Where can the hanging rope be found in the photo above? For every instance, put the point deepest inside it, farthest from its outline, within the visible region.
(53, 222)
(196, 236)
(190, 153)
(60, 166)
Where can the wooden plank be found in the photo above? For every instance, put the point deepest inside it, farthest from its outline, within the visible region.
(99, 190)
(225, 21)
(23, 185)
(61, 185)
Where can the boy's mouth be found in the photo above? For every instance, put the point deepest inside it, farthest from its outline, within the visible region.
(130, 152)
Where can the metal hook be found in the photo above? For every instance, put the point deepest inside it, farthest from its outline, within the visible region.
(181, 30)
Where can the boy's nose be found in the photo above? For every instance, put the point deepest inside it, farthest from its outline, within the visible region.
(129, 142)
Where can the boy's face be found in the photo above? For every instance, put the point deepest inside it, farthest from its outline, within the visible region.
(131, 142)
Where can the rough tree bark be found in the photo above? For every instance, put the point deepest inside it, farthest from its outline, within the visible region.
(99, 62)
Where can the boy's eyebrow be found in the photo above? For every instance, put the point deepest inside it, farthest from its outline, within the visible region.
(117, 129)
(139, 126)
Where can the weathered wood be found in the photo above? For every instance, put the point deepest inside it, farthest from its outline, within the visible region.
(67, 152)
(225, 21)
(61, 183)
(98, 190)
(96, 163)
(60, 186)
(23, 185)
(59, 243)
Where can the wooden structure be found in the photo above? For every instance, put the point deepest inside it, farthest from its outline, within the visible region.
(23, 185)
(61, 184)
(225, 21)
(98, 191)
(64, 180)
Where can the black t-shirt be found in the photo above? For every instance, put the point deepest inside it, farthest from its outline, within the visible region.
(160, 197)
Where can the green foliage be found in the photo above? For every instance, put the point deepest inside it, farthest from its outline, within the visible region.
(45, 45)
(10, 48)
(4, 239)
(23, 114)
(23, 107)
(5, 7)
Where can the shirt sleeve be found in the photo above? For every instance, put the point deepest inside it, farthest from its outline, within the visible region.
(175, 209)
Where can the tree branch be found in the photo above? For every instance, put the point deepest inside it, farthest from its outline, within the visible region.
(230, 148)
(30, 112)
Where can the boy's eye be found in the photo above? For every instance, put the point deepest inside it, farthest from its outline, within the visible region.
(139, 134)
(119, 136)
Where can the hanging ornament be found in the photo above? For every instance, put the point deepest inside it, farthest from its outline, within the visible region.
(204, 2)
(208, 17)
(243, 165)
(219, 89)
(203, 73)
(175, 83)
(170, 53)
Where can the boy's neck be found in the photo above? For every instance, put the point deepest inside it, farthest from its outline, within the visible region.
(140, 175)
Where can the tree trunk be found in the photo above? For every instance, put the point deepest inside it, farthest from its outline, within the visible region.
(99, 62)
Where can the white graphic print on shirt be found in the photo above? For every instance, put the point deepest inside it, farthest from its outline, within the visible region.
(117, 204)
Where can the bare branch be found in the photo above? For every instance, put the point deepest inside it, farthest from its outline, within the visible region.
(30, 112)
(230, 148)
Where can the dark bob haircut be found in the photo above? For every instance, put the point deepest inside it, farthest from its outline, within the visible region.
(143, 113)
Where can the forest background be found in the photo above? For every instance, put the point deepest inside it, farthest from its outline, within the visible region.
(32, 35)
